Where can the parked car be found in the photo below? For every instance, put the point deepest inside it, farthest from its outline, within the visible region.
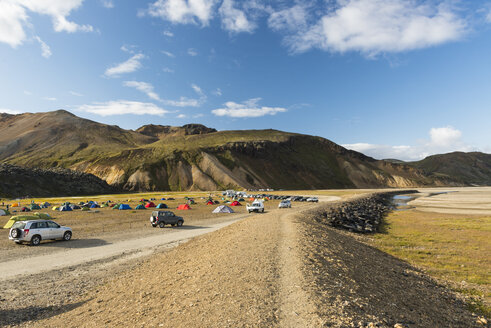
(161, 218)
(285, 204)
(313, 199)
(37, 230)
(256, 206)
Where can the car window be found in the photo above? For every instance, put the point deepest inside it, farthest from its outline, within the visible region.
(18, 225)
(42, 225)
(52, 225)
(34, 225)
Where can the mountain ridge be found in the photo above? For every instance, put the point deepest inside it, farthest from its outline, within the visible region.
(195, 157)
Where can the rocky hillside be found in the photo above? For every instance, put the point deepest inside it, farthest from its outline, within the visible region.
(19, 182)
(194, 157)
(465, 168)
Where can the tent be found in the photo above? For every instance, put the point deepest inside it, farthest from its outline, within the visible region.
(116, 206)
(35, 207)
(143, 200)
(2, 213)
(191, 201)
(162, 205)
(223, 209)
(242, 200)
(140, 207)
(74, 207)
(183, 207)
(209, 202)
(14, 205)
(124, 207)
(25, 209)
(65, 208)
(162, 198)
(235, 203)
(104, 205)
(216, 202)
(81, 203)
(94, 206)
(46, 204)
(150, 204)
(35, 216)
(170, 198)
(55, 208)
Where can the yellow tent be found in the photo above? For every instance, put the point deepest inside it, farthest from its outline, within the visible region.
(35, 216)
(15, 205)
(55, 208)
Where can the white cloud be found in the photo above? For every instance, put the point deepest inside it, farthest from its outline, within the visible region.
(144, 87)
(183, 11)
(168, 54)
(123, 107)
(445, 136)
(291, 19)
(168, 70)
(181, 116)
(192, 52)
(248, 108)
(442, 140)
(12, 18)
(45, 49)
(109, 4)
(9, 111)
(217, 92)
(168, 33)
(128, 66)
(376, 26)
(50, 98)
(233, 19)
(76, 94)
(197, 89)
(183, 102)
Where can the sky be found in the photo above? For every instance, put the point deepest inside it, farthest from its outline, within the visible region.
(389, 78)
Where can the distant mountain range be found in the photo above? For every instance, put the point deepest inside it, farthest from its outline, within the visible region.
(194, 157)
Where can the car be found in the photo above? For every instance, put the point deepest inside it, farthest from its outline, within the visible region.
(256, 206)
(313, 199)
(161, 218)
(285, 204)
(34, 231)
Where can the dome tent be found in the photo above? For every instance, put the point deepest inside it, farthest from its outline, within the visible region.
(162, 205)
(65, 208)
(124, 207)
(184, 207)
(140, 207)
(223, 209)
(149, 204)
(235, 203)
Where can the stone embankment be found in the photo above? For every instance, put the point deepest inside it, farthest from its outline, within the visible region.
(363, 214)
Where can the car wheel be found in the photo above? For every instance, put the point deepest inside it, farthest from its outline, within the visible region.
(15, 233)
(161, 224)
(262, 210)
(67, 236)
(35, 240)
(18, 242)
(179, 223)
(154, 225)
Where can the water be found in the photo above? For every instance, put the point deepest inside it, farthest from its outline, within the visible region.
(400, 202)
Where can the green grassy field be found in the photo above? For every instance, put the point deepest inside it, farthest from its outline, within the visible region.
(449, 247)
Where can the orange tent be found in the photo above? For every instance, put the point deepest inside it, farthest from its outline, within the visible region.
(209, 203)
(15, 205)
(183, 207)
(150, 204)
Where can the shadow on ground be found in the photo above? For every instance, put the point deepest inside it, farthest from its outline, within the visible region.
(11, 317)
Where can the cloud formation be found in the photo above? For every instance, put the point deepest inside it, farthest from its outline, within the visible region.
(14, 18)
(123, 107)
(128, 66)
(45, 49)
(144, 87)
(233, 19)
(247, 109)
(442, 140)
(9, 111)
(183, 11)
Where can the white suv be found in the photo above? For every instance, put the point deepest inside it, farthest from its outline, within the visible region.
(37, 230)
(285, 204)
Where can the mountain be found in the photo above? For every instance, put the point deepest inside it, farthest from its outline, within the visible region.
(465, 168)
(194, 157)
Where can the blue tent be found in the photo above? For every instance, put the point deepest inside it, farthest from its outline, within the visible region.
(65, 208)
(124, 207)
(140, 207)
(162, 198)
(94, 206)
(162, 205)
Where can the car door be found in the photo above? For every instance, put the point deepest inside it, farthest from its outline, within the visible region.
(54, 230)
(42, 230)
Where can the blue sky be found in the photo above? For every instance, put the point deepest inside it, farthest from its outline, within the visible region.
(390, 78)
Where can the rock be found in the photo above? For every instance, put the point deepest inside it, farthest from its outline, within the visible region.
(482, 321)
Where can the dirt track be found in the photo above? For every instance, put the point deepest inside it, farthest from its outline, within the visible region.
(278, 269)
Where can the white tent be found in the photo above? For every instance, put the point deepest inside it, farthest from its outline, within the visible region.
(2, 213)
(223, 209)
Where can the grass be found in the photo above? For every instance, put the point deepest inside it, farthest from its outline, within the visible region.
(450, 247)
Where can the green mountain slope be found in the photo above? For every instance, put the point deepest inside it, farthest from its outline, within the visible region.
(194, 157)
